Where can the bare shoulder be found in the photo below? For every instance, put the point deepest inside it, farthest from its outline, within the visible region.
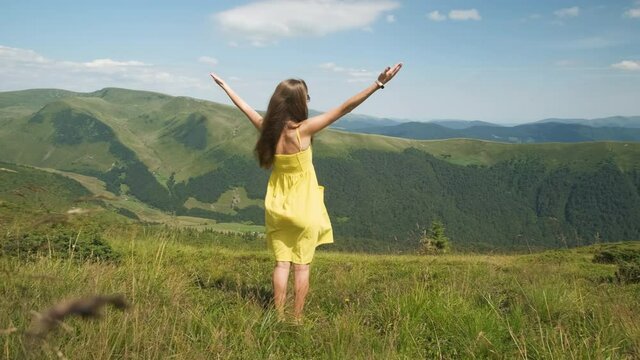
(306, 127)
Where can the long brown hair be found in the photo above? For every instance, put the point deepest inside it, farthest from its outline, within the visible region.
(288, 102)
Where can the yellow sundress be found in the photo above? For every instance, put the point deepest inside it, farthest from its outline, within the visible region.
(296, 218)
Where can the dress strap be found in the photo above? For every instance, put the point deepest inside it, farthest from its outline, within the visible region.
(299, 142)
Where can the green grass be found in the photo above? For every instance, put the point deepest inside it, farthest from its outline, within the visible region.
(205, 295)
(27, 193)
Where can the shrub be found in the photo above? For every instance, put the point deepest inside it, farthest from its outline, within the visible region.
(614, 254)
(628, 272)
(59, 241)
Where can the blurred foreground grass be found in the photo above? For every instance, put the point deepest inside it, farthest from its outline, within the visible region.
(209, 297)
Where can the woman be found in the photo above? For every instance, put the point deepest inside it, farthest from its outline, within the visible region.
(295, 215)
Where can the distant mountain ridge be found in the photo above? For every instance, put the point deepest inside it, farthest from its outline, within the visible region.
(192, 157)
(461, 124)
(356, 122)
(527, 133)
(632, 122)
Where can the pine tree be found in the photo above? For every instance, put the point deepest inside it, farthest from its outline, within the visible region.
(433, 240)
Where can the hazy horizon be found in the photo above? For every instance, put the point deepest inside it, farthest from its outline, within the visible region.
(356, 113)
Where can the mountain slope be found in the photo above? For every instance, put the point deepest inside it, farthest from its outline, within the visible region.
(31, 193)
(186, 156)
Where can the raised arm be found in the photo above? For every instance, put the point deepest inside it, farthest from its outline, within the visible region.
(319, 122)
(253, 115)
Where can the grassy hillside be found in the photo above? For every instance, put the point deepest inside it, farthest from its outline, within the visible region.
(28, 192)
(177, 134)
(17, 103)
(207, 295)
(183, 156)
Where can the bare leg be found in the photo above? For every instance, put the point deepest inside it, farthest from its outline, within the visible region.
(301, 288)
(280, 279)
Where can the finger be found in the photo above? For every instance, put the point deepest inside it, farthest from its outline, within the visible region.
(397, 68)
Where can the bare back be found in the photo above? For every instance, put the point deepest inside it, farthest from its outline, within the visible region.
(288, 142)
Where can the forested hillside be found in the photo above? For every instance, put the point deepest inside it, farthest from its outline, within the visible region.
(192, 157)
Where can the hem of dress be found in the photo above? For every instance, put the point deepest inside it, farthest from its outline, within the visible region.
(324, 242)
(295, 262)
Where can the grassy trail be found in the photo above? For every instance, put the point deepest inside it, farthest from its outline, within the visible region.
(202, 299)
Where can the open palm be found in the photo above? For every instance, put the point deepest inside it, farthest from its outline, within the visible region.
(389, 72)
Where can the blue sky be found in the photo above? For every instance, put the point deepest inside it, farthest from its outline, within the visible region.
(503, 61)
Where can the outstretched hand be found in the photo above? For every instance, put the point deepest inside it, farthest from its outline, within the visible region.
(217, 79)
(388, 73)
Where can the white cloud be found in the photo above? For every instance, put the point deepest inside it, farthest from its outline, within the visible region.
(350, 74)
(111, 64)
(17, 55)
(263, 23)
(436, 16)
(470, 14)
(331, 66)
(106, 67)
(25, 68)
(391, 18)
(628, 65)
(208, 60)
(460, 15)
(633, 13)
(567, 12)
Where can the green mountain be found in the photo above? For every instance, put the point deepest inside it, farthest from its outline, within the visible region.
(461, 124)
(191, 157)
(527, 133)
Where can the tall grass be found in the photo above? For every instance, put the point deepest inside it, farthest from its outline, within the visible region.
(198, 298)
